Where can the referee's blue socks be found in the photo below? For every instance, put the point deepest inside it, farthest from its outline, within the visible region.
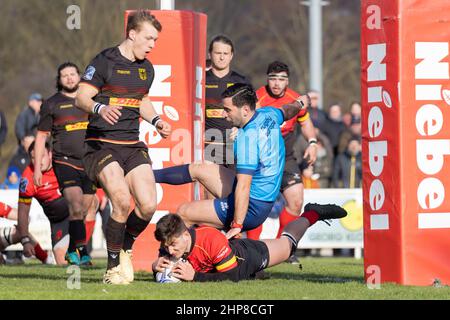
(173, 175)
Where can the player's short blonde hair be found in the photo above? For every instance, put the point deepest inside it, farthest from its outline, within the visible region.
(136, 19)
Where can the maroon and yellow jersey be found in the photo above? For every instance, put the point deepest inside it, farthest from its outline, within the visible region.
(4, 210)
(48, 192)
(210, 251)
(67, 125)
(119, 82)
(265, 99)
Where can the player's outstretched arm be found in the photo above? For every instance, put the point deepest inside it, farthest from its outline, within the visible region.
(23, 212)
(241, 201)
(292, 109)
(39, 149)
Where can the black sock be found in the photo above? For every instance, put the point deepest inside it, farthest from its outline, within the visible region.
(134, 228)
(77, 232)
(114, 240)
(173, 175)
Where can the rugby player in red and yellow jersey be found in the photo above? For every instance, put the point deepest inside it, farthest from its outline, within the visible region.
(55, 207)
(276, 94)
(211, 257)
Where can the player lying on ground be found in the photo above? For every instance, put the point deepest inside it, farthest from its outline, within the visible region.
(244, 198)
(211, 257)
(10, 235)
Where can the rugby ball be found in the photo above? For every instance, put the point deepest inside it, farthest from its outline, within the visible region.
(166, 276)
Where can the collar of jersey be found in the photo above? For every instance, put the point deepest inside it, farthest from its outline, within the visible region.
(251, 119)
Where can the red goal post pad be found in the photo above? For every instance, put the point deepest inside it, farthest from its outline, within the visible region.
(406, 148)
(177, 93)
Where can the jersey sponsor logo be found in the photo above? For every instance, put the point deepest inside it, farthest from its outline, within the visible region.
(23, 185)
(109, 156)
(212, 86)
(125, 102)
(89, 74)
(142, 74)
(223, 252)
(66, 106)
(214, 113)
(77, 126)
(123, 72)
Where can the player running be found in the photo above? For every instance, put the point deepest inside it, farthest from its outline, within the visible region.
(276, 94)
(67, 125)
(211, 257)
(114, 91)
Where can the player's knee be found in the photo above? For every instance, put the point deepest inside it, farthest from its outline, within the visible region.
(295, 206)
(147, 210)
(183, 211)
(121, 204)
(76, 210)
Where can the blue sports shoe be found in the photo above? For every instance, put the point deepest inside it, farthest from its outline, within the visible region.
(72, 258)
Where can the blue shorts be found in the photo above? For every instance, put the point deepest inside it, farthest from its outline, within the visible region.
(257, 212)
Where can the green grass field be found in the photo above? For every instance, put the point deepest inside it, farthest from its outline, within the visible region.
(321, 278)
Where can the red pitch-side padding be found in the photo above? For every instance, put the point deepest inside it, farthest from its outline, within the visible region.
(178, 96)
(405, 71)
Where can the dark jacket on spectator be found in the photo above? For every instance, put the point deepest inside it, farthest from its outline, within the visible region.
(3, 128)
(347, 171)
(26, 123)
(318, 117)
(333, 130)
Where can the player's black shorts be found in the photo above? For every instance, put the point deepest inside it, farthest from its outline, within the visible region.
(99, 154)
(59, 230)
(252, 256)
(71, 176)
(56, 210)
(291, 174)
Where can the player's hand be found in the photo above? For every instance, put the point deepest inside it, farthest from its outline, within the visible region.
(305, 100)
(233, 133)
(28, 250)
(37, 177)
(111, 114)
(233, 232)
(163, 128)
(160, 264)
(183, 270)
(311, 153)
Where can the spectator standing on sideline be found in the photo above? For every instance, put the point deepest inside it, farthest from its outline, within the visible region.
(3, 130)
(25, 129)
(334, 126)
(347, 171)
(318, 116)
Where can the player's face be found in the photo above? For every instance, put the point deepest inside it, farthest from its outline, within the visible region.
(46, 162)
(232, 113)
(278, 82)
(177, 246)
(69, 79)
(144, 40)
(221, 56)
